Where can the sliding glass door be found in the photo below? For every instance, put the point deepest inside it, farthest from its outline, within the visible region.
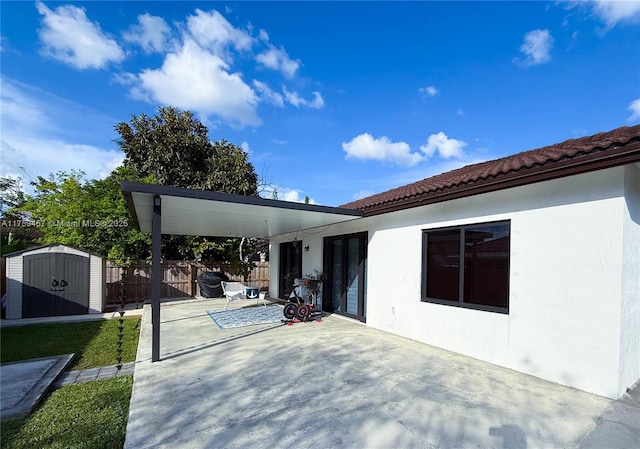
(345, 264)
(290, 266)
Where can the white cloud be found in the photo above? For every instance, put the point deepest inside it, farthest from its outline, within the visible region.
(429, 90)
(317, 102)
(292, 97)
(536, 48)
(459, 112)
(213, 32)
(362, 194)
(109, 165)
(634, 107)
(365, 146)
(612, 12)
(245, 146)
(278, 59)
(263, 36)
(69, 36)
(14, 162)
(42, 156)
(151, 33)
(280, 141)
(124, 78)
(196, 73)
(297, 101)
(195, 79)
(20, 110)
(267, 94)
(446, 147)
(37, 139)
(285, 194)
(293, 195)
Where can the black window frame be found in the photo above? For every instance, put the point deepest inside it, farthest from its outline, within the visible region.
(461, 276)
(363, 237)
(295, 250)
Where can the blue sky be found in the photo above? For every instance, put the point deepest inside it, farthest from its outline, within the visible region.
(332, 100)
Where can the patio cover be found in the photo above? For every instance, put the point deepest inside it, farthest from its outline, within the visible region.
(174, 210)
(214, 214)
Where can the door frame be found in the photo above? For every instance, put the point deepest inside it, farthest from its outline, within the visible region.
(287, 246)
(362, 273)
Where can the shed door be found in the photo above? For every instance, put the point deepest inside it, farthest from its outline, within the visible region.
(55, 284)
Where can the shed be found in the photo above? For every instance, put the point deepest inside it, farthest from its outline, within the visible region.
(54, 280)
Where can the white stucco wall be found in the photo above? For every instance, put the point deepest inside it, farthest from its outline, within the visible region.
(274, 264)
(311, 260)
(573, 301)
(565, 280)
(629, 369)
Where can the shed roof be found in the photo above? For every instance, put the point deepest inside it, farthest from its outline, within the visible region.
(34, 248)
(26, 232)
(603, 150)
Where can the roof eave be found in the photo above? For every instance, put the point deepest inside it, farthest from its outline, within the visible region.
(597, 160)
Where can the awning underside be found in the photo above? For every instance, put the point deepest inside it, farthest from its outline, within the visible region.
(195, 212)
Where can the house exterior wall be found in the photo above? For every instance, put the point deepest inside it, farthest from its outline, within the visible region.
(629, 369)
(565, 280)
(573, 295)
(311, 260)
(97, 275)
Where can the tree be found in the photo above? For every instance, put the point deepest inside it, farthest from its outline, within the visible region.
(11, 197)
(230, 171)
(90, 215)
(174, 147)
(15, 224)
(125, 245)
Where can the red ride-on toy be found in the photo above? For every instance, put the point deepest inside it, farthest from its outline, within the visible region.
(296, 309)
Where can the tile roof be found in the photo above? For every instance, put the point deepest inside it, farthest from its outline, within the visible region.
(607, 149)
(29, 233)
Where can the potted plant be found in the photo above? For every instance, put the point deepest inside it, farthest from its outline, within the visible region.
(314, 282)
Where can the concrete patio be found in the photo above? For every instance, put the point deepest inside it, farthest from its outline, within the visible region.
(340, 384)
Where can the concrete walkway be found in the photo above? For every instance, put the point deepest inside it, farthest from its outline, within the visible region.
(340, 384)
(69, 318)
(22, 384)
(104, 372)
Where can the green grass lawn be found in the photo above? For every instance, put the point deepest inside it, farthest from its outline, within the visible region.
(89, 415)
(93, 342)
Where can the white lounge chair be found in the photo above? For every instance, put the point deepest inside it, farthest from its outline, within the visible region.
(234, 291)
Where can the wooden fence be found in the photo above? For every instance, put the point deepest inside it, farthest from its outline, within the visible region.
(179, 279)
